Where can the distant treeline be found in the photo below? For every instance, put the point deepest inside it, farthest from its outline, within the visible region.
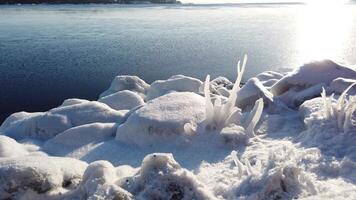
(84, 1)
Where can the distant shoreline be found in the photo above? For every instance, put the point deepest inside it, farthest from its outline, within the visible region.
(60, 2)
(63, 2)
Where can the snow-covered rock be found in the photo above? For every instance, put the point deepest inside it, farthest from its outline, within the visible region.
(251, 92)
(35, 125)
(222, 82)
(126, 82)
(40, 174)
(162, 119)
(90, 112)
(98, 183)
(161, 177)
(307, 81)
(122, 100)
(178, 83)
(269, 78)
(73, 101)
(79, 136)
(321, 72)
(339, 85)
(48, 124)
(10, 148)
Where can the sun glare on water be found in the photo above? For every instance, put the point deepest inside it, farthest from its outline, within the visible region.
(323, 29)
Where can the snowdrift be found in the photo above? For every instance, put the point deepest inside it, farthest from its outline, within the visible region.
(278, 136)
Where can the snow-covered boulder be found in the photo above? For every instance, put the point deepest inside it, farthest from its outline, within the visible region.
(161, 177)
(126, 82)
(307, 81)
(269, 78)
(10, 148)
(98, 182)
(222, 82)
(35, 125)
(178, 83)
(339, 85)
(90, 112)
(162, 119)
(73, 101)
(122, 100)
(79, 136)
(48, 124)
(251, 92)
(321, 72)
(40, 174)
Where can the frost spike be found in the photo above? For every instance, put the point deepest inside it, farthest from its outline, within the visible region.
(254, 117)
(208, 105)
(237, 162)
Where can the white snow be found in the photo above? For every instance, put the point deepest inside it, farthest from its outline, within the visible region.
(10, 148)
(189, 140)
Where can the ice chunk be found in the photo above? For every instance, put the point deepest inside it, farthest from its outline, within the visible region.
(122, 100)
(178, 83)
(125, 82)
(162, 119)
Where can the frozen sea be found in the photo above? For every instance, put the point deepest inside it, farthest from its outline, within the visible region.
(49, 53)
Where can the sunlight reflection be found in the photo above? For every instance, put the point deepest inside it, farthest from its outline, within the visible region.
(323, 31)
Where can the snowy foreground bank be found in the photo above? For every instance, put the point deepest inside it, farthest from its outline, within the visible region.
(279, 136)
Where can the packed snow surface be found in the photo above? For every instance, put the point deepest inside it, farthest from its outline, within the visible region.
(277, 136)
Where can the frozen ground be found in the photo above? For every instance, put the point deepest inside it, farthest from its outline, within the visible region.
(279, 136)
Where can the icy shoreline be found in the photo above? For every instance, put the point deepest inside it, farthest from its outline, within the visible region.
(279, 136)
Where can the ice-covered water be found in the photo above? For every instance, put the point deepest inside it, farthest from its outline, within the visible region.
(49, 53)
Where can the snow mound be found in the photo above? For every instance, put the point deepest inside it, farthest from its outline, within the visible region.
(306, 82)
(122, 100)
(10, 148)
(79, 136)
(40, 174)
(132, 83)
(330, 124)
(178, 83)
(162, 119)
(161, 177)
